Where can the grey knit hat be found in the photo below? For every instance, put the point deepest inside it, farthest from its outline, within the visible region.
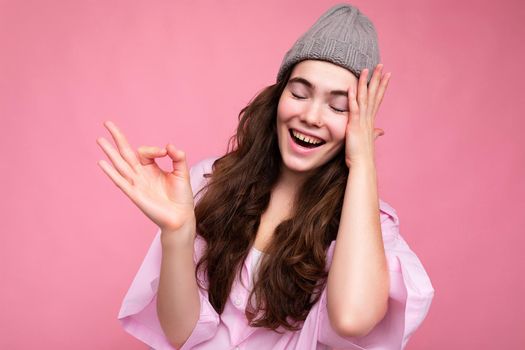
(343, 35)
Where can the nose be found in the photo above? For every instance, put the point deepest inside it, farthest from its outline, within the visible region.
(312, 114)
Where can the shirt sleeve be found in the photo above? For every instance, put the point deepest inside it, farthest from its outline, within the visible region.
(138, 313)
(410, 295)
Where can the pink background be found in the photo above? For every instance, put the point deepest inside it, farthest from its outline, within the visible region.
(452, 161)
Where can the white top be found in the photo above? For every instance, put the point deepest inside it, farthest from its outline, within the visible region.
(255, 258)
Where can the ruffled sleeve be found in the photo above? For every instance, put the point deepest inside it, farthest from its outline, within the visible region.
(410, 295)
(138, 313)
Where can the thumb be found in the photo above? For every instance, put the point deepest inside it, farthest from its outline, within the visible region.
(378, 132)
(178, 158)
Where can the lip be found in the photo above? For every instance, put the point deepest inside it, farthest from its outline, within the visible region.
(308, 134)
(300, 149)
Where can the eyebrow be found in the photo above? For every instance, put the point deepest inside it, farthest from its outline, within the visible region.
(312, 86)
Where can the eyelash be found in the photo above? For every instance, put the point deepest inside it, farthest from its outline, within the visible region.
(302, 98)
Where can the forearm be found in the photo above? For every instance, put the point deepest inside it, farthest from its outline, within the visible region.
(178, 303)
(358, 281)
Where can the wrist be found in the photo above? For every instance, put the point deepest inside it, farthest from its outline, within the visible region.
(178, 238)
(366, 163)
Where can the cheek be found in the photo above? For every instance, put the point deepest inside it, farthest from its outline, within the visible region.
(287, 108)
(338, 129)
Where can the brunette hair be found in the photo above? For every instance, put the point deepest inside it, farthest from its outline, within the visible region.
(293, 272)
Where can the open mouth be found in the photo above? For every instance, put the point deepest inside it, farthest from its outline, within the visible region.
(303, 141)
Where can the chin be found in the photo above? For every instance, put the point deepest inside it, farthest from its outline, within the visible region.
(299, 166)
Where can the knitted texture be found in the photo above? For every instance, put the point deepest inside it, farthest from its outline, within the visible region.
(343, 35)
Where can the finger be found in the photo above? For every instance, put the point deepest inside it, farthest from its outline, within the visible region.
(362, 90)
(147, 154)
(122, 144)
(117, 179)
(122, 166)
(374, 83)
(353, 106)
(381, 92)
(178, 158)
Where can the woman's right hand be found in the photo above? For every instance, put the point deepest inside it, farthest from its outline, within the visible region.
(165, 197)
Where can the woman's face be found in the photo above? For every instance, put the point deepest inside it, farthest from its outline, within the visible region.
(313, 107)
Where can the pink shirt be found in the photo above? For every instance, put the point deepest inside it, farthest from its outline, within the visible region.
(411, 293)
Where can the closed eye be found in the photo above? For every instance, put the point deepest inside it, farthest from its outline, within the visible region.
(297, 96)
(303, 98)
(339, 110)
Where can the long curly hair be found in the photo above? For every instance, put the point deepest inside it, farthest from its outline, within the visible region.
(293, 272)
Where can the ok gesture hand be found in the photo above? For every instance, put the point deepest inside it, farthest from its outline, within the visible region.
(165, 197)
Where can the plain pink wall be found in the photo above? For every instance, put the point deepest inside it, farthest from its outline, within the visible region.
(452, 161)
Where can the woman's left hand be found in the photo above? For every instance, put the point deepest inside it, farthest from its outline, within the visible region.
(360, 130)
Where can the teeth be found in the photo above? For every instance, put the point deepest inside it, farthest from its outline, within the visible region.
(306, 138)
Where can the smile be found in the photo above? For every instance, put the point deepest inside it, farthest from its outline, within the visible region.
(304, 140)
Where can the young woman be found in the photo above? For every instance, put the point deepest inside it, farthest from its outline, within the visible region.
(282, 243)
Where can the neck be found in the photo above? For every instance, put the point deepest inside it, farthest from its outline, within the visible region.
(283, 194)
(290, 181)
